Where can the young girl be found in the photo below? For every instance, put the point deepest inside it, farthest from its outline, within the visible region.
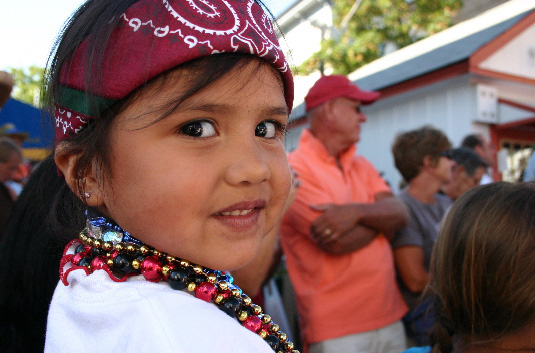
(170, 120)
(483, 273)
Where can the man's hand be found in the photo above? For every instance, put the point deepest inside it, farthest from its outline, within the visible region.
(334, 221)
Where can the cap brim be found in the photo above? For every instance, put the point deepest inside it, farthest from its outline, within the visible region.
(365, 97)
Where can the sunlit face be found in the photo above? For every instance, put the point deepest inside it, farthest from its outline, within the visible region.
(464, 182)
(348, 119)
(486, 151)
(9, 168)
(208, 182)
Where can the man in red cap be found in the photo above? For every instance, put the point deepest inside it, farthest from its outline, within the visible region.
(336, 234)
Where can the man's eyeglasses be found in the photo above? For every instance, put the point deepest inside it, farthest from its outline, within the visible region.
(448, 154)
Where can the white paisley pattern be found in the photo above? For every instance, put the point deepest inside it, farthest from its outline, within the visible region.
(210, 14)
(68, 121)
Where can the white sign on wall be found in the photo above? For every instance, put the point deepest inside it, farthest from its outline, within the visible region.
(487, 104)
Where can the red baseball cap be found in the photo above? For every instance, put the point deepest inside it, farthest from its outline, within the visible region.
(334, 86)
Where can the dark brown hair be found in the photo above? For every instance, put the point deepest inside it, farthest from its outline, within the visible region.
(410, 148)
(483, 266)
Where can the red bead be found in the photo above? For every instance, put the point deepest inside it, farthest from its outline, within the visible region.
(206, 291)
(267, 327)
(253, 323)
(171, 268)
(87, 249)
(98, 263)
(76, 259)
(114, 254)
(151, 268)
(226, 293)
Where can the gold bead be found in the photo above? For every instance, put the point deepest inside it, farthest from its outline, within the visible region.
(236, 293)
(275, 328)
(282, 336)
(212, 278)
(289, 346)
(144, 249)
(198, 269)
(295, 351)
(219, 299)
(263, 333)
(110, 262)
(97, 243)
(266, 319)
(223, 285)
(243, 316)
(107, 246)
(257, 309)
(170, 258)
(83, 237)
(246, 300)
(119, 247)
(156, 253)
(130, 248)
(89, 241)
(192, 286)
(166, 270)
(136, 264)
(184, 263)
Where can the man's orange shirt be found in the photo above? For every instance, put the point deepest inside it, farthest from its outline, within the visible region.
(337, 295)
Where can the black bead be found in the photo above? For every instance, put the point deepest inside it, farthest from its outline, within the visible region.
(178, 279)
(97, 252)
(80, 248)
(231, 306)
(122, 263)
(85, 261)
(250, 310)
(273, 342)
(198, 279)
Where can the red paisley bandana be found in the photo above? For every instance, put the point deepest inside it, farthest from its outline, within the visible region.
(147, 43)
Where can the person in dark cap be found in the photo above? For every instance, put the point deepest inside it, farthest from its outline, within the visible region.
(481, 145)
(336, 233)
(467, 173)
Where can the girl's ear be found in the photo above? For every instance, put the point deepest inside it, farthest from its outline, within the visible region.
(90, 192)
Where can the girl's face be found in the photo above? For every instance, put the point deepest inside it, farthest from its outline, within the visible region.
(209, 181)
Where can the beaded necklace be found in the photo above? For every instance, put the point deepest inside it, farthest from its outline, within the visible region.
(103, 245)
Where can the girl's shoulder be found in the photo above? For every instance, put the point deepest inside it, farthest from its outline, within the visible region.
(138, 314)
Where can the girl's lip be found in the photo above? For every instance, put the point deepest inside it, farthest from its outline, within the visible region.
(242, 215)
(243, 206)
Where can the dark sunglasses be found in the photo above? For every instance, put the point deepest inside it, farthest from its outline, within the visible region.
(448, 154)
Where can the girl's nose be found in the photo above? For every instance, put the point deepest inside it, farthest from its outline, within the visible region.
(247, 165)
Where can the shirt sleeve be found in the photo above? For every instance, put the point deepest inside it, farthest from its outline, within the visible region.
(376, 183)
(410, 235)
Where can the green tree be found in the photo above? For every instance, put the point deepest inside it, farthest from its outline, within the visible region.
(28, 84)
(364, 28)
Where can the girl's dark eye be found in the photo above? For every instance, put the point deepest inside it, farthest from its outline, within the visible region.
(266, 129)
(199, 128)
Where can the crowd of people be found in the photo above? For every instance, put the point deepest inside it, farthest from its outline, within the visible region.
(169, 200)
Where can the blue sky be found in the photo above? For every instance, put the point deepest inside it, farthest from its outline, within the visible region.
(28, 28)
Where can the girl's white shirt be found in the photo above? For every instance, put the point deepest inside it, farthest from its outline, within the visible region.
(96, 314)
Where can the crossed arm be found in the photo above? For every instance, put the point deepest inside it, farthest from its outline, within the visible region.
(345, 228)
